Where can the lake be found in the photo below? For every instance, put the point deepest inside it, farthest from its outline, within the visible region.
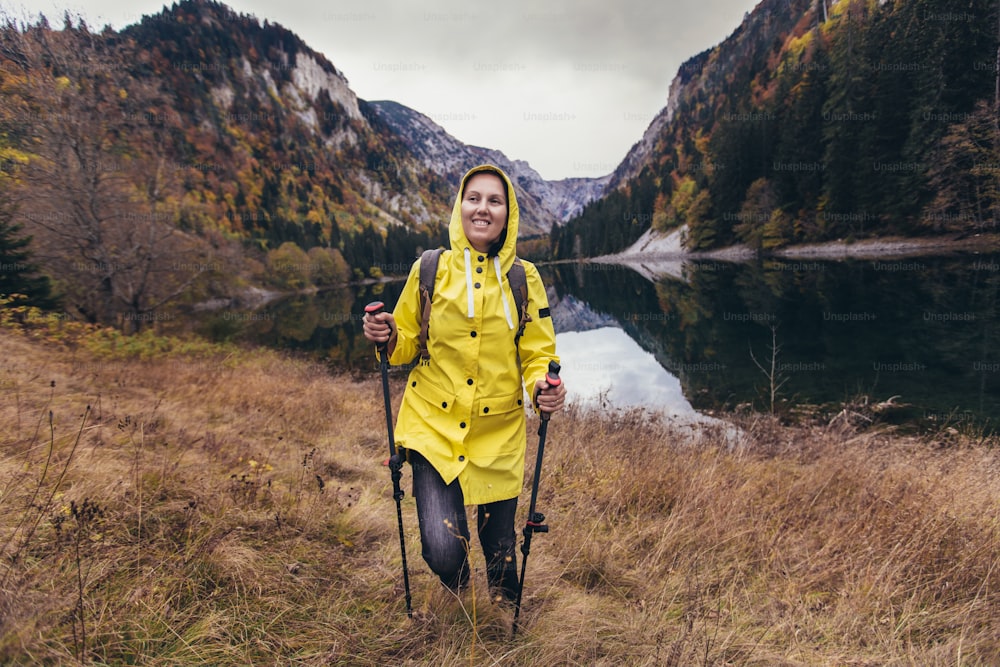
(918, 332)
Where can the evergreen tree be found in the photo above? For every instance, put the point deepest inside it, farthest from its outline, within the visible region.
(953, 48)
(800, 133)
(843, 162)
(965, 176)
(18, 275)
(741, 152)
(890, 47)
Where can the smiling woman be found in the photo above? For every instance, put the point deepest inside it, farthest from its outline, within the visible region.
(484, 211)
(462, 421)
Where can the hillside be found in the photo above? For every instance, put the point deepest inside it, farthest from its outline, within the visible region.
(813, 122)
(195, 154)
(201, 154)
(229, 507)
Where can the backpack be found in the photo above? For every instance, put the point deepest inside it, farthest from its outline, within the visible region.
(428, 271)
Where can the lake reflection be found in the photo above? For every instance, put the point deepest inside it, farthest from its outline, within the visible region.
(922, 332)
(605, 368)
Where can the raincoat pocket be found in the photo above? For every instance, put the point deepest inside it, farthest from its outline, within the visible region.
(429, 399)
(498, 404)
(500, 423)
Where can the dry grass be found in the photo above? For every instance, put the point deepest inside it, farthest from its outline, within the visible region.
(232, 509)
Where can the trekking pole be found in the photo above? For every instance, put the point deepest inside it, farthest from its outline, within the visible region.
(395, 460)
(534, 523)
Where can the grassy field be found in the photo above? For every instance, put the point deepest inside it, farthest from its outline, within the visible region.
(211, 506)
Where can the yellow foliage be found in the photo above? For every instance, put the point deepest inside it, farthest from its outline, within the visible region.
(289, 266)
(701, 141)
(796, 46)
(683, 193)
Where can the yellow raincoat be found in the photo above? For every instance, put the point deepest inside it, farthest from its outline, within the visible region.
(463, 409)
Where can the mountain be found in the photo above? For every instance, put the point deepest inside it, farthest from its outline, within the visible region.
(711, 72)
(195, 154)
(200, 153)
(544, 204)
(247, 85)
(817, 121)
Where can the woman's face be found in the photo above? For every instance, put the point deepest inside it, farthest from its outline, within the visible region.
(484, 210)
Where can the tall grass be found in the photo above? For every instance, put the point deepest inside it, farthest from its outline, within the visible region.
(231, 508)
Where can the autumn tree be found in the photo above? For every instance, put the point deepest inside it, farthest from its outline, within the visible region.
(289, 266)
(98, 192)
(758, 207)
(327, 267)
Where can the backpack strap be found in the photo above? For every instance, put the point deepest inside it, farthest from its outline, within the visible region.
(519, 287)
(428, 273)
(516, 278)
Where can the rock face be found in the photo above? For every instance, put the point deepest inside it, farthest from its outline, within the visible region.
(643, 151)
(543, 203)
(266, 125)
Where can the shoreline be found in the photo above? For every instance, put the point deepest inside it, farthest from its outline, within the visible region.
(894, 247)
(657, 255)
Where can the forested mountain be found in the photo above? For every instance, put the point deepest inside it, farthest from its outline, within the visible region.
(814, 121)
(201, 152)
(196, 153)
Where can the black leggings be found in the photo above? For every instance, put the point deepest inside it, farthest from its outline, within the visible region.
(444, 532)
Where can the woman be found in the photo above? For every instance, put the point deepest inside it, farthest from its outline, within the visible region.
(462, 419)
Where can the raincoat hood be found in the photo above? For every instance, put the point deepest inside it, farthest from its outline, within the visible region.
(456, 234)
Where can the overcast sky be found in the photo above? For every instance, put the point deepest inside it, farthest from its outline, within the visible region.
(566, 85)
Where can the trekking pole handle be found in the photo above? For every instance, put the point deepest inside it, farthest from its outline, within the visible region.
(553, 380)
(374, 308)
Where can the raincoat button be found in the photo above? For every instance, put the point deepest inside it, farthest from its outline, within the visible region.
(469, 382)
(444, 404)
(413, 384)
(479, 269)
(473, 334)
(520, 402)
(485, 410)
(462, 425)
(478, 285)
(461, 458)
(481, 258)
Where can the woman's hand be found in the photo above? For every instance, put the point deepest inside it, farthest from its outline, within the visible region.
(380, 329)
(548, 398)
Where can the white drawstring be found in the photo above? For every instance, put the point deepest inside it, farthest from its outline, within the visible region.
(468, 287)
(468, 283)
(503, 297)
